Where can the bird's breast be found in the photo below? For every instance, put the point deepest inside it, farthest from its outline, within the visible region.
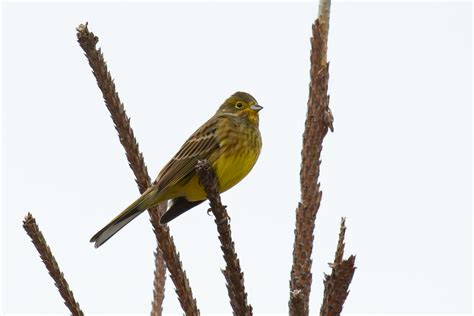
(239, 150)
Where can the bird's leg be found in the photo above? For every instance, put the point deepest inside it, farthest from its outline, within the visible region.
(224, 219)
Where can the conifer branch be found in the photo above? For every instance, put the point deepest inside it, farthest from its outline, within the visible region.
(318, 121)
(32, 229)
(88, 41)
(336, 285)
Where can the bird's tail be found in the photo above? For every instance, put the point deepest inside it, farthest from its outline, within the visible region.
(146, 200)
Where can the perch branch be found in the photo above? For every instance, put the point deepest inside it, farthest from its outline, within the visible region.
(336, 285)
(166, 248)
(233, 274)
(318, 121)
(32, 229)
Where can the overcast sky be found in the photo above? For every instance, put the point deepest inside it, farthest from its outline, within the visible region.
(398, 165)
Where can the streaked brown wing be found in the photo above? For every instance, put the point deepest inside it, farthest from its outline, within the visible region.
(199, 146)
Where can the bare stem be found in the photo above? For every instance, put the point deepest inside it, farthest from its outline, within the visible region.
(167, 250)
(318, 121)
(158, 284)
(32, 229)
(336, 285)
(232, 273)
(323, 17)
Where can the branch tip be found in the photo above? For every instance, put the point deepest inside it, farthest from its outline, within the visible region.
(82, 27)
(336, 285)
(38, 240)
(88, 41)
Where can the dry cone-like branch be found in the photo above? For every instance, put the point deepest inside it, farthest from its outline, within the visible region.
(158, 283)
(336, 285)
(318, 120)
(233, 274)
(88, 41)
(32, 229)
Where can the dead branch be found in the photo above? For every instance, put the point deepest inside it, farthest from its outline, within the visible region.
(233, 274)
(32, 229)
(88, 41)
(336, 285)
(318, 120)
(158, 283)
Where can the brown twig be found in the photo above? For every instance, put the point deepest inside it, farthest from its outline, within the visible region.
(233, 274)
(318, 120)
(32, 229)
(88, 41)
(336, 285)
(158, 283)
(340, 242)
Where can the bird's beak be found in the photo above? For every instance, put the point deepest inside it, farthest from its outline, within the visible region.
(256, 107)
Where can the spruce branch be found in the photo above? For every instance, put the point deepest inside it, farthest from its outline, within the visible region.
(233, 274)
(336, 285)
(167, 250)
(318, 121)
(32, 229)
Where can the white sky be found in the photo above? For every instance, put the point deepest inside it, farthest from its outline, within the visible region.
(398, 165)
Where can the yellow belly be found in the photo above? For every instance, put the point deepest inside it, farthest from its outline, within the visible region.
(229, 169)
(233, 168)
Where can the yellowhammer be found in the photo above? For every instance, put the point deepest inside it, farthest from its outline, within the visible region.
(230, 141)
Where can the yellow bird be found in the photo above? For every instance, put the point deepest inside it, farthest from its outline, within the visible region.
(231, 142)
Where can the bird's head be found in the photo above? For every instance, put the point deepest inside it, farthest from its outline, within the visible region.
(243, 105)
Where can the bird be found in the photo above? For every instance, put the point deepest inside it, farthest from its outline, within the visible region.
(231, 142)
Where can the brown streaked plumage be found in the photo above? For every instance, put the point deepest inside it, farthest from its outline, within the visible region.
(230, 140)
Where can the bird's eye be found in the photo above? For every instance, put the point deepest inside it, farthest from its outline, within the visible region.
(239, 105)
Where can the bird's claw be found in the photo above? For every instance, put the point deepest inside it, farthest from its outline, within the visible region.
(224, 220)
